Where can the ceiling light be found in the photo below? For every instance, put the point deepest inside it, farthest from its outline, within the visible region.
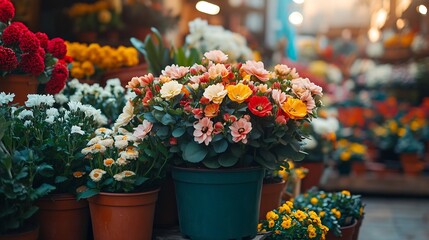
(207, 7)
(298, 1)
(422, 9)
(296, 18)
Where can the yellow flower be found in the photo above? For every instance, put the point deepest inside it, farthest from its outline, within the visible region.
(108, 162)
(336, 213)
(401, 132)
(294, 108)
(104, 16)
(345, 156)
(311, 231)
(77, 72)
(314, 201)
(284, 208)
(393, 126)
(287, 223)
(322, 214)
(272, 216)
(300, 215)
(291, 164)
(345, 192)
(289, 203)
(78, 174)
(322, 195)
(270, 223)
(301, 172)
(282, 173)
(259, 227)
(277, 232)
(239, 93)
(88, 68)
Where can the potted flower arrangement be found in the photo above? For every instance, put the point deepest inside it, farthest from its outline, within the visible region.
(28, 58)
(19, 168)
(411, 151)
(347, 153)
(124, 171)
(110, 99)
(92, 61)
(319, 145)
(339, 211)
(289, 222)
(219, 121)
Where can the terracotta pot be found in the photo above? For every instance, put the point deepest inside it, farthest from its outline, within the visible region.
(357, 229)
(61, 216)
(346, 233)
(411, 164)
(125, 73)
(166, 206)
(271, 197)
(315, 171)
(116, 216)
(358, 168)
(21, 85)
(29, 234)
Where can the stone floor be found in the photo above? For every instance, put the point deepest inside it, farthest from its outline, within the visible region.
(386, 218)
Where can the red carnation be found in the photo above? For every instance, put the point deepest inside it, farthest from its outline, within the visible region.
(8, 61)
(41, 51)
(28, 42)
(12, 33)
(7, 11)
(57, 47)
(58, 79)
(32, 63)
(43, 39)
(260, 106)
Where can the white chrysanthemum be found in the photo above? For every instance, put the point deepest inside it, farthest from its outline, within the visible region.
(323, 126)
(12, 111)
(37, 100)
(6, 98)
(94, 140)
(130, 153)
(52, 112)
(215, 93)
(108, 142)
(74, 106)
(105, 94)
(170, 89)
(309, 143)
(28, 123)
(108, 162)
(118, 91)
(103, 131)
(76, 97)
(113, 82)
(121, 161)
(61, 98)
(86, 150)
(130, 95)
(66, 114)
(123, 131)
(50, 119)
(77, 129)
(118, 177)
(74, 83)
(98, 148)
(96, 174)
(121, 144)
(126, 115)
(25, 113)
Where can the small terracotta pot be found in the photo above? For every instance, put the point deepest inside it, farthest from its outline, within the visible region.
(117, 216)
(30, 234)
(315, 171)
(61, 216)
(21, 85)
(346, 233)
(357, 228)
(411, 164)
(271, 197)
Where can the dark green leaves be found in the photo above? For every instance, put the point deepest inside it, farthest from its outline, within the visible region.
(194, 152)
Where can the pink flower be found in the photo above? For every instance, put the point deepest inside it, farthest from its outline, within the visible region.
(278, 96)
(146, 80)
(240, 129)
(218, 70)
(133, 83)
(299, 85)
(203, 131)
(229, 118)
(195, 79)
(218, 128)
(197, 69)
(143, 129)
(308, 100)
(198, 113)
(281, 120)
(175, 72)
(256, 69)
(216, 56)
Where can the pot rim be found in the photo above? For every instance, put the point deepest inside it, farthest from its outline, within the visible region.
(228, 170)
(128, 194)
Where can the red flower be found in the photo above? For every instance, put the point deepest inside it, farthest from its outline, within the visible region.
(32, 63)
(28, 42)
(7, 11)
(8, 61)
(58, 79)
(260, 106)
(43, 39)
(13, 32)
(57, 47)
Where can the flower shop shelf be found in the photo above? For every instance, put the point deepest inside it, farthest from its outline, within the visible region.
(388, 184)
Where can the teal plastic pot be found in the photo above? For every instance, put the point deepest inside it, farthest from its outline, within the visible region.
(218, 204)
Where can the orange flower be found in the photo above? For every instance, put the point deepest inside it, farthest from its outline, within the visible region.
(211, 110)
(78, 174)
(240, 92)
(294, 108)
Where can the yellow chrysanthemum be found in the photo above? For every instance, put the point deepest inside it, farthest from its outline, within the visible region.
(271, 223)
(272, 216)
(286, 224)
(336, 213)
(345, 192)
(345, 156)
(294, 108)
(300, 215)
(314, 200)
(311, 230)
(239, 93)
(393, 126)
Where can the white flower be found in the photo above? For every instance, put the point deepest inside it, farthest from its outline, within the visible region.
(170, 89)
(215, 93)
(121, 144)
(120, 176)
(216, 56)
(130, 153)
(309, 143)
(98, 148)
(52, 112)
(77, 129)
(37, 100)
(126, 115)
(143, 129)
(25, 113)
(61, 98)
(325, 126)
(6, 98)
(75, 106)
(94, 140)
(97, 174)
(103, 131)
(27, 123)
(113, 82)
(50, 119)
(106, 142)
(74, 83)
(130, 95)
(121, 161)
(123, 131)
(86, 150)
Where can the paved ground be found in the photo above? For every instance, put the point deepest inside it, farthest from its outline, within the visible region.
(395, 219)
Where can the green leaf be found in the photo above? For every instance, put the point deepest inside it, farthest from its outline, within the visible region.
(43, 190)
(220, 146)
(211, 163)
(217, 137)
(227, 160)
(149, 152)
(90, 192)
(140, 180)
(167, 119)
(178, 132)
(162, 132)
(30, 212)
(148, 116)
(265, 164)
(159, 108)
(60, 179)
(45, 170)
(267, 155)
(194, 152)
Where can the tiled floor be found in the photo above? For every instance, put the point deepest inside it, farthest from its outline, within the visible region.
(395, 219)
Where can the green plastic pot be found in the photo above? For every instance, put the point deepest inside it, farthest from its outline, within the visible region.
(218, 204)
